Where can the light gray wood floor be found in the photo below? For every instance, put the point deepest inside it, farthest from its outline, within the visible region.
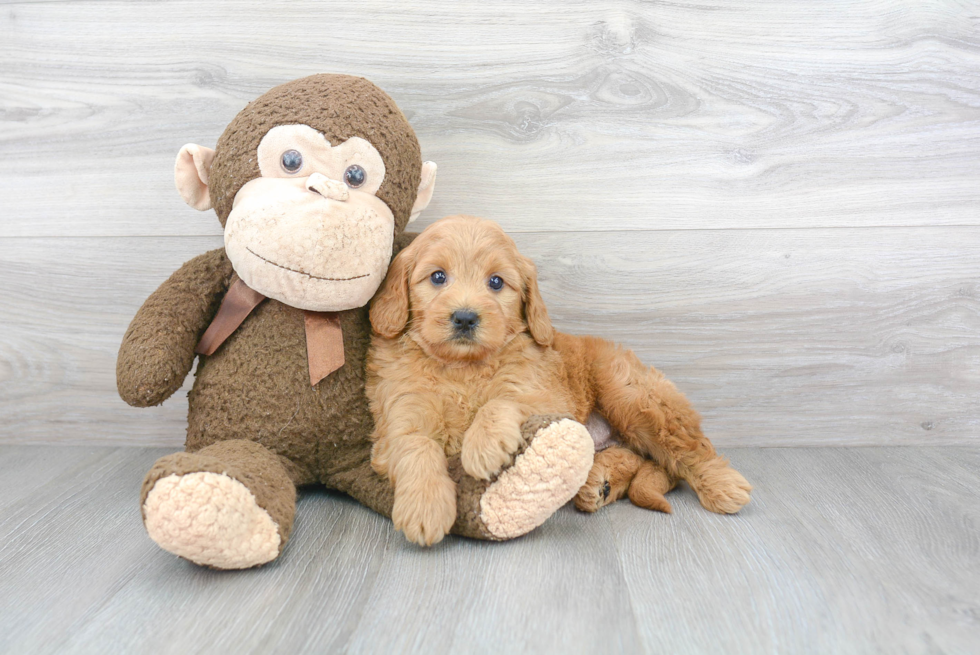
(843, 550)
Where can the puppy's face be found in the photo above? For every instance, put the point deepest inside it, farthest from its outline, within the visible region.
(463, 291)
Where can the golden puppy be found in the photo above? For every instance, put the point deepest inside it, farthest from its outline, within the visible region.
(464, 353)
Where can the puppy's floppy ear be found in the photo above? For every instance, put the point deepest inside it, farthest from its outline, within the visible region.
(535, 313)
(389, 309)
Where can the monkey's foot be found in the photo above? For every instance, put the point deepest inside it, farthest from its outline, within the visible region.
(211, 520)
(545, 476)
(228, 506)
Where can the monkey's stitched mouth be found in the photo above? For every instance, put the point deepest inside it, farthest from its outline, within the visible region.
(315, 277)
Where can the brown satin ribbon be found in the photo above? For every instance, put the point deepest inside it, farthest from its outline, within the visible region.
(324, 344)
(324, 338)
(237, 304)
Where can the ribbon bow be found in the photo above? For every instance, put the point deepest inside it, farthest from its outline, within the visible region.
(324, 337)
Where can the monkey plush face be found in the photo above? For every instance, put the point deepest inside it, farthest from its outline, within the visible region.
(312, 182)
(310, 229)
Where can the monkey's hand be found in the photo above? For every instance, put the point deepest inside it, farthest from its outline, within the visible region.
(157, 351)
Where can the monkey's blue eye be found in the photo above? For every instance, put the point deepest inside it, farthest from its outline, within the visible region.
(438, 278)
(291, 161)
(495, 282)
(355, 176)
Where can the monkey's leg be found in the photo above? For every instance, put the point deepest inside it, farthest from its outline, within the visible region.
(228, 506)
(546, 472)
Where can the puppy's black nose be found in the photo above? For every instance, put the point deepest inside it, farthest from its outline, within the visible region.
(464, 320)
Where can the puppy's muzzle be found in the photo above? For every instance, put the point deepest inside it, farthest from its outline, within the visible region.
(464, 322)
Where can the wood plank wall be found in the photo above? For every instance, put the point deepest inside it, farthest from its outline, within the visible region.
(777, 203)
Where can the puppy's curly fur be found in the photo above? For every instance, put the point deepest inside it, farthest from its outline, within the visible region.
(463, 353)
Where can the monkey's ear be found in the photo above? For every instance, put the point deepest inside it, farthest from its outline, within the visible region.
(426, 187)
(191, 174)
(389, 309)
(535, 312)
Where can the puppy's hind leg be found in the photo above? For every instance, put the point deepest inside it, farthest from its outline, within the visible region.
(656, 419)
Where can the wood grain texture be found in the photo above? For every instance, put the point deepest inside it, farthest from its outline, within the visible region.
(841, 551)
(565, 114)
(779, 337)
(858, 558)
(776, 203)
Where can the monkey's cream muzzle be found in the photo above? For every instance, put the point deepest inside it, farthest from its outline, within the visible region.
(311, 242)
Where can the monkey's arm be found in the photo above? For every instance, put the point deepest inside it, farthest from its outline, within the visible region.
(158, 350)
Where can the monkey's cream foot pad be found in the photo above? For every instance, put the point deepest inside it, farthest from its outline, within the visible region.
(543, 478)
(211, 520)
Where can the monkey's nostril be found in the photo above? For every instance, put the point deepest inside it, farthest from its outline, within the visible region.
(464, 320)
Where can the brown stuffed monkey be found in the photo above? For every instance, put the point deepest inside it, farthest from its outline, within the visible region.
(314, 183)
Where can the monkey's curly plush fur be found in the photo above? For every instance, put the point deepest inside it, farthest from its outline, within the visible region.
(464, 353)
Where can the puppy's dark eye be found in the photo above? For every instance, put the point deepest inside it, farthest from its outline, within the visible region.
(438, 278)
(355, 176)
(495, 282)
(291, 161)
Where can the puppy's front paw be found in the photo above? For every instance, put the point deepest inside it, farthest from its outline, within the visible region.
(487, 449)
(596, 493)
(608, 479)
(425, 510)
